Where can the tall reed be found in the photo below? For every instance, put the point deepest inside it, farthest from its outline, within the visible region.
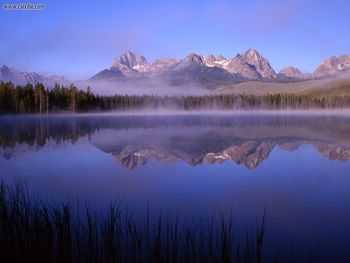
(34, 231)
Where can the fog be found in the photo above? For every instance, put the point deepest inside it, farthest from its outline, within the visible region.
(154, 86)
(238, 112)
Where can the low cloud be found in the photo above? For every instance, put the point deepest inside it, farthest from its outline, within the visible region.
(154, 86)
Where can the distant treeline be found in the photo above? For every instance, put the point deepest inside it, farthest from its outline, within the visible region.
(39, 99)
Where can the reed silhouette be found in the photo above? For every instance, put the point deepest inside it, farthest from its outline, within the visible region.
(32, 231)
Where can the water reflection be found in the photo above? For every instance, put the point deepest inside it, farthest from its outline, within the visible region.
(195, 163)
(133, 140)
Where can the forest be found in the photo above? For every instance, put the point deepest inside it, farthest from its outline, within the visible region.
(40, 99)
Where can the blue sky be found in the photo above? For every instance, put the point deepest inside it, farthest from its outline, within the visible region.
(80, 38)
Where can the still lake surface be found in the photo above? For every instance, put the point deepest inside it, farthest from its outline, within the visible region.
(295, 167)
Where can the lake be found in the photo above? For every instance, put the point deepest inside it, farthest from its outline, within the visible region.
(294, 167)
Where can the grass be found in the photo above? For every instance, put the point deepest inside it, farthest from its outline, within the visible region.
(31, 231)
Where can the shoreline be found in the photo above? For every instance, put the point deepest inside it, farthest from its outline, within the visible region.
(165, 112)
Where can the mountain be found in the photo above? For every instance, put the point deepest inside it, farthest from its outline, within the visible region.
(332, 66)
(204, 70)
(130, 60)
(111, 74)
(329, 67)
(217, 70)
(126, 66)
(212, 71)
(21, 78)
(251, 65)
(130, 64)
(162, 64)
(245, 66)
(248, 152)
(192, 69)
(213, 61)
(209, 71)
(133, 141)
(293, 73)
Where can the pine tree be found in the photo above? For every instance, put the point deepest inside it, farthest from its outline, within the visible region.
(73, 97)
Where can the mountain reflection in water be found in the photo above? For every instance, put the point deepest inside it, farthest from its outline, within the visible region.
(133, 140)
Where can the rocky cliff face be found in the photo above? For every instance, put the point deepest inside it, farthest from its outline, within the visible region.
(193, 70)
(130, 64)
(130, 60)
(213, 61)
(162, 64)
(332, 66)
(251, 65)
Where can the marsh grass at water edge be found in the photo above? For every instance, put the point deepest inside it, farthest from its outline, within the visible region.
(32, 231)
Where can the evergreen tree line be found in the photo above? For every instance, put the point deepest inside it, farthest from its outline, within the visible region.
(39, 99)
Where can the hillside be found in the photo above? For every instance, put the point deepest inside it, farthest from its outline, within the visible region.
(332, 86)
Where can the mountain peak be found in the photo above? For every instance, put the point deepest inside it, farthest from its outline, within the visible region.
(333, 65)
(252, 52)
(252, 65)
(220, 57)
(130, 64)
(293, 72)
(290, 69)
(252, 56)
(344, 57)
(194, 58)
(210, 57)
(211, 61)
(130, 59)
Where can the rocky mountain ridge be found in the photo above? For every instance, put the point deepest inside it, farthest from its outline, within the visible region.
(18, 77)
(249, 65)
(209, 71)
(328, 67)
(213, 70)
(332, 66)
(250, 153)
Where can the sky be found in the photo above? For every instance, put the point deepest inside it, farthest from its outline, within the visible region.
(80, 38)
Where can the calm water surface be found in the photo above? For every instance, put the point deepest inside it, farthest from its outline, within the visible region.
(297, 167)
